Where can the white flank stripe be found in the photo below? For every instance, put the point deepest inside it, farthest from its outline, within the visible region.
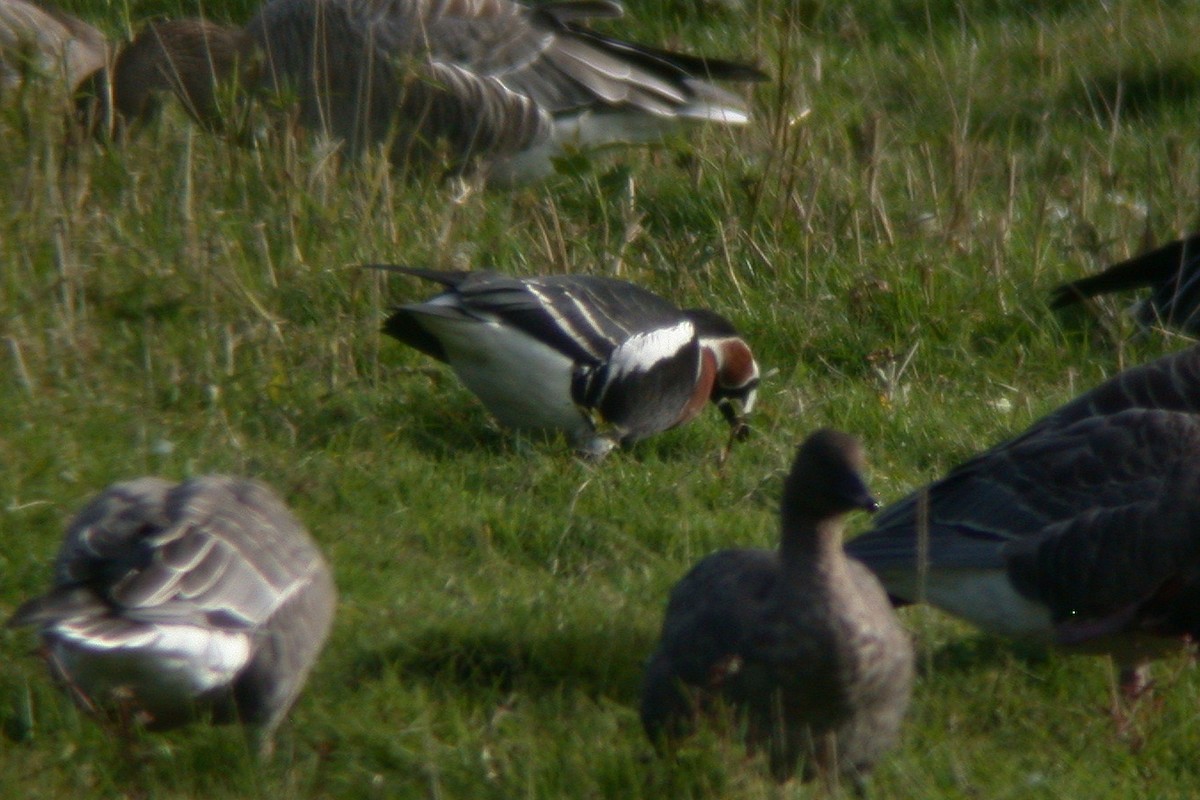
(643, 351)
(195, 657)
(584, 311)
(561, 321)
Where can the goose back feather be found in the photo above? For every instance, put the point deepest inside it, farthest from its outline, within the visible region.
(206, 596)
(41, 41)
(491, 79)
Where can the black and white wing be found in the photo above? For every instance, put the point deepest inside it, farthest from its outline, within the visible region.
(584, 318)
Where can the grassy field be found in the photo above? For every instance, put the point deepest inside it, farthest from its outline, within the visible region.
(918, 177)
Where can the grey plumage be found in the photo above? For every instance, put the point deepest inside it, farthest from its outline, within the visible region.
(1083, 531)
(206, 597)
(803, 639)
(477, 80)
(41, 42)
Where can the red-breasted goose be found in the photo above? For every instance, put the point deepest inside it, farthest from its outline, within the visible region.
(602, 360)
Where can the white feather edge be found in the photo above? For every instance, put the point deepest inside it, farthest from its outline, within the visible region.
(643, 351)
(186, 659)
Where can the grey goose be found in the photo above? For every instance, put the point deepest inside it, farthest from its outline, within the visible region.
(601, 360)
(42, 43)
(495, 81)
(1170, 272)
(171, 602)
(1083, 531)
(801, 639)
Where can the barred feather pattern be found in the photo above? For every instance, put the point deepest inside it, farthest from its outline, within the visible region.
(489, 78)
(203, 594)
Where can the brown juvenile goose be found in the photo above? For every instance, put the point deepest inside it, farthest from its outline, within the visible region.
(191, 58)
(177, 601)
(491, 80)
(1083, 531)
(802, 639)
(39, 41)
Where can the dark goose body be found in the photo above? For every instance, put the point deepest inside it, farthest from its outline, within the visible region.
(802, 640)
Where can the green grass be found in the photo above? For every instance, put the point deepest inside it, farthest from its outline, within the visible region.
(921, 174)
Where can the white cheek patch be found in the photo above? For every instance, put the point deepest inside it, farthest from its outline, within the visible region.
(642, 352)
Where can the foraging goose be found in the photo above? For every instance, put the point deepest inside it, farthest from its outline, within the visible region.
(1173, 274)
(1084, 531)
(172, 600)
(602, 360)
(802, 639)
(492, 80)
(43, 42)
(190, 58)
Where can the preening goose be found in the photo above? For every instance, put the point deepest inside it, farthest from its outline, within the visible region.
(602, 360)
(1171, 272)
(803, 639)
(172, 602)
(476, 80)
(1084, 531)
(38, 41)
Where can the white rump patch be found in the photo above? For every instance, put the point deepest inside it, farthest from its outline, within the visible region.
(183, 660)
(986, 598)
(642, 352)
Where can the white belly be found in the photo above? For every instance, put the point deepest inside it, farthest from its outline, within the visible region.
(984, 598)
(524, 383)
(165, 667)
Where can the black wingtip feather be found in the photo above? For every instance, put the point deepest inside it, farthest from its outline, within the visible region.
(1146, 269)
(405, 327)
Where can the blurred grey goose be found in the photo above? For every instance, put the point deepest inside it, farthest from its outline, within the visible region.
(1171, 272)
(205, 599)
(491, 80)
(802, 639)
(41, 42)
(1084, 531)
(601, 360)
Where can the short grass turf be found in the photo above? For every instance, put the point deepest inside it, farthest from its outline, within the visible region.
(918, 176)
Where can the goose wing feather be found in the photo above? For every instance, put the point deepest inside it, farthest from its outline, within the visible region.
(217, 550)
(1035, 505)
(584, 317)
(51, 40)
